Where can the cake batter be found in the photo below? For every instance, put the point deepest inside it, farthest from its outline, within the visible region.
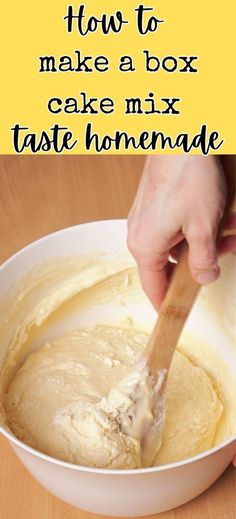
(55, 402)
(59, 400)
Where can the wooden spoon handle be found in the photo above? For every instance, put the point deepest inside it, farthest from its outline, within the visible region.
(180, 296)
(179, 299)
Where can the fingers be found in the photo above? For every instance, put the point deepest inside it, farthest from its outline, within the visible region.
(153, 265)
(154, 282)
(151, 256)
(176, 200)
(234, 461)
(203, 255)
(175, 251)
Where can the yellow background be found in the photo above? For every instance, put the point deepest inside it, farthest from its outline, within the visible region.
(205, 28)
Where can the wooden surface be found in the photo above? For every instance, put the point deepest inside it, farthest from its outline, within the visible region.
(39, 195)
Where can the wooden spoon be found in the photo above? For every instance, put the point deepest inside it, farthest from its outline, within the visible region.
(177, 304)
(145, 386)
(142, 393)
(179, 299)
(181, 294)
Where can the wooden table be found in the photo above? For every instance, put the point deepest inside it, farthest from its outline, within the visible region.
(39, 195)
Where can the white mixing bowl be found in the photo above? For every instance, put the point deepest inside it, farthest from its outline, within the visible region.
(121, 492)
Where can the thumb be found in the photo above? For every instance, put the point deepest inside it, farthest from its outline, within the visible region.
(203, 256)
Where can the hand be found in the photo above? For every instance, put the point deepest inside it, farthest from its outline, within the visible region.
(178, 197)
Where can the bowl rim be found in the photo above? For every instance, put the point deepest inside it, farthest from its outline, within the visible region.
(104, 471)
(62, 231)
(10, 436)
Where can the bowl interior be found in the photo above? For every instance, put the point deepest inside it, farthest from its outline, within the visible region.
(211, 317)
